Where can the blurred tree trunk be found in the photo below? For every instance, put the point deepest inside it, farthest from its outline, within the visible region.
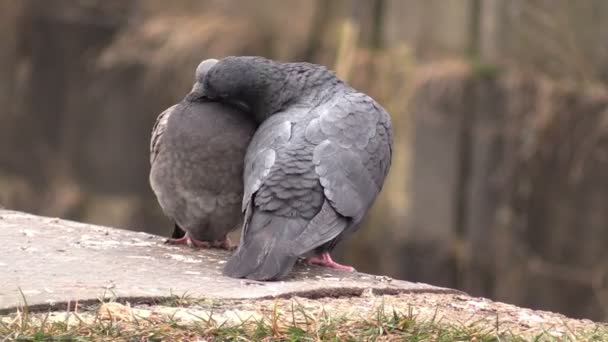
(322, 17)
(492, 30)
(377, 30)
(370, 15)
(10, 14)
(54, 57)
(466, 151)
(61, 41)
(473, 48)
(10, 17)
(376, 42)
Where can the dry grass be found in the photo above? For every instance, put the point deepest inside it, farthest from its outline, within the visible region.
(118, 324)
(180, 318)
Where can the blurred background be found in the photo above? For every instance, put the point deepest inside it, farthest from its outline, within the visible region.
(499, 183)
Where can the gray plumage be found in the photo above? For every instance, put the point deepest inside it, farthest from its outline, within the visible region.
(314, 166)
(196, 155)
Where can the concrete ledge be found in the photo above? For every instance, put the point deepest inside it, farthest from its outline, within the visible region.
(51, 262)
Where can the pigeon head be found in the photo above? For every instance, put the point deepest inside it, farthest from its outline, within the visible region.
(254, 82)
(202, 69)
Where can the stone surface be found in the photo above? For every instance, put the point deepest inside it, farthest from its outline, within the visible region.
(51, 262)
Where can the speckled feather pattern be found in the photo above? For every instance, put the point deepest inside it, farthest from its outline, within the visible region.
(314, 167)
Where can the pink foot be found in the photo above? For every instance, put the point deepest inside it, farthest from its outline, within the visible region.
(326, 261)
(199, 244)
(192, 242)
(224, 243)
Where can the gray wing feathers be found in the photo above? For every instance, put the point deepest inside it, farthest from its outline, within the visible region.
(157, 131)
(257, 168)
(354, 157)
(261, 156)
(346, 182)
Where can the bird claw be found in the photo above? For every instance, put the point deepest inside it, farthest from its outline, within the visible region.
(224, 243)
(325, 260)
(181, 241)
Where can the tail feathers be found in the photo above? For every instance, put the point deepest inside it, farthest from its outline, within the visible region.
(271, 245)
(324, 227)
(264, 253)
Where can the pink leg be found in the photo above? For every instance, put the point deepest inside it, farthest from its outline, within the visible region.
(181, 241)
(326, 261)
(198, 243)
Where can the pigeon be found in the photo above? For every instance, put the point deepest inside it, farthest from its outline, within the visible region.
(314, 167)
(197, 152)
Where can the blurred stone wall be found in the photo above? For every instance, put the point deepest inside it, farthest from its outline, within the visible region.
(497, 181)
(508, 188)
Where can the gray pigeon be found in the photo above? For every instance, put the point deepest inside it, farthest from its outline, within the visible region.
(196, 155)
(313, 168)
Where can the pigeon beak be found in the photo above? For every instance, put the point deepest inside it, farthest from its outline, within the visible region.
(199, 91)
(240, 105)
